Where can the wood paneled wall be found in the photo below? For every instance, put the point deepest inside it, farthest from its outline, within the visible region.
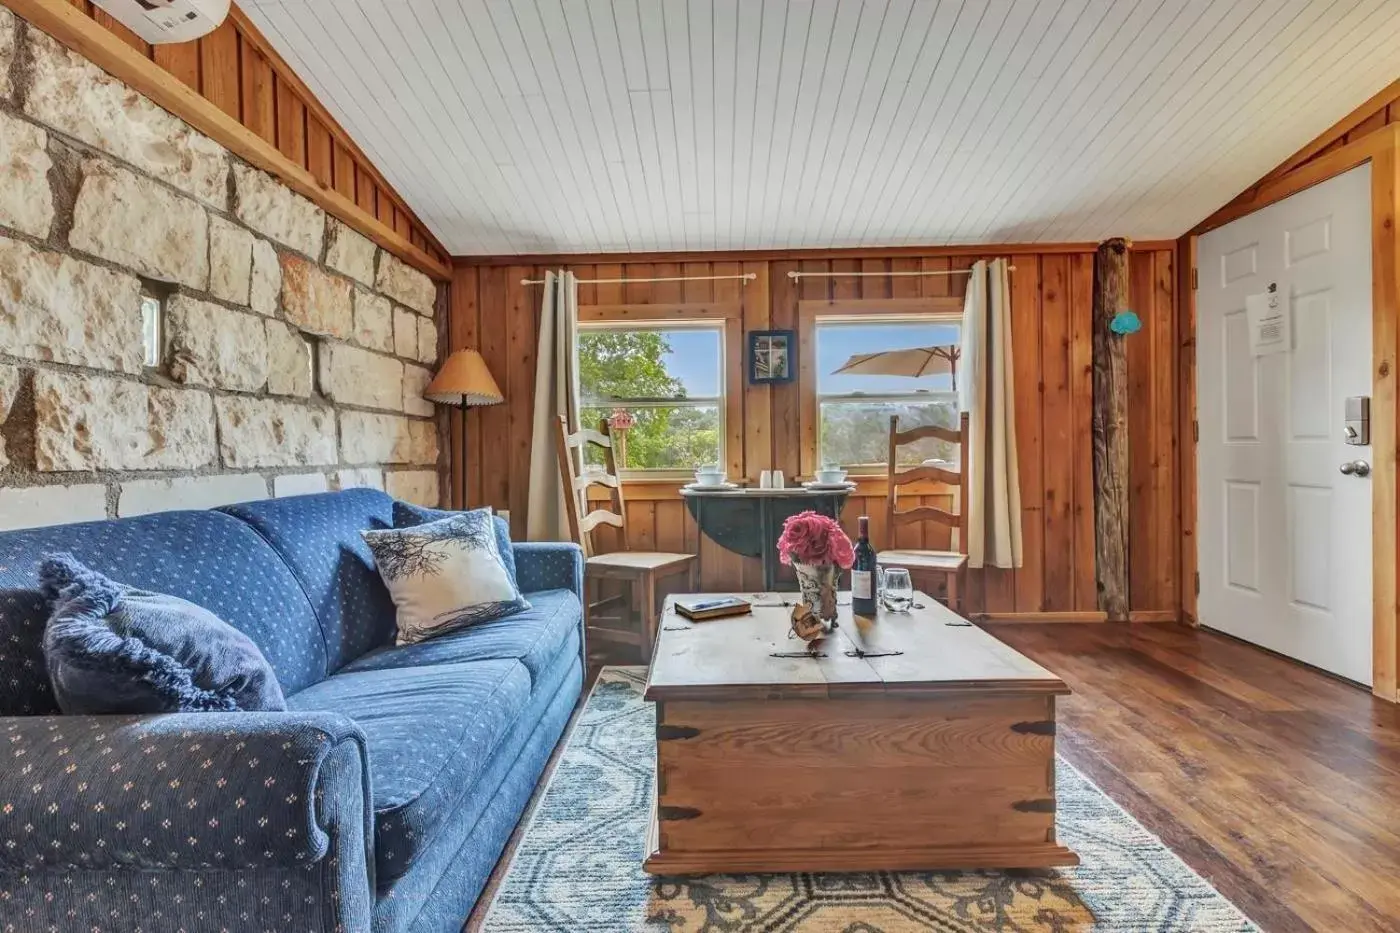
(1051, 311)
(235, 69)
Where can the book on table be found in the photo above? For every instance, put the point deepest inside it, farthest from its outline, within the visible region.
(699, 608)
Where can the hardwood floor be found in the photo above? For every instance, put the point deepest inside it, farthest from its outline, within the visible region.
(1277, 783)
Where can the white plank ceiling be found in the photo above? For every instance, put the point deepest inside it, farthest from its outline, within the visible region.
(542, 126)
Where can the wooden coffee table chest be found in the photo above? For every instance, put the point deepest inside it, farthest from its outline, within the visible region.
(942, 756)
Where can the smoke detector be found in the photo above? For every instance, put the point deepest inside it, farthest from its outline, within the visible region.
(160, 21)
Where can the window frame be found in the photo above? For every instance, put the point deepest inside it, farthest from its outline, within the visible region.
(720, 402)
(812, 314)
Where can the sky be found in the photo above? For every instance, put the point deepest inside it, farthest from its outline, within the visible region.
(694, 356)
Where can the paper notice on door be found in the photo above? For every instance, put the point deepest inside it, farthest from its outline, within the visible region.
(1267, 315)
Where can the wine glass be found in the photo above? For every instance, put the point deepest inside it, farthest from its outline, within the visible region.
(897, 590)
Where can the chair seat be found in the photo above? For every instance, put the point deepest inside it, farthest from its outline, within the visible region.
(633, 563)
(950, 561)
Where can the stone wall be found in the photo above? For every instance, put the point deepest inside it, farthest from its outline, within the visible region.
(295, 351)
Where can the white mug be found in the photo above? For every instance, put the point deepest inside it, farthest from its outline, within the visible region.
(765, 479)
(779, 482)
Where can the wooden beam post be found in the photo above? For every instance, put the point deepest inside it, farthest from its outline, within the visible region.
(1111, 430)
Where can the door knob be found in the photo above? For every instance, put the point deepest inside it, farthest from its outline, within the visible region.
(1356, 468)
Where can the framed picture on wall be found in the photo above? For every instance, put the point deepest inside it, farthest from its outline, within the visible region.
(771, 356)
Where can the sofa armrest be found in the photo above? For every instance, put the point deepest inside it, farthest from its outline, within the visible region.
(549, 565)
(182, 791)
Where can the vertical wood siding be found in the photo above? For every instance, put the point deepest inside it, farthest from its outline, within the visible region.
(1051, 307)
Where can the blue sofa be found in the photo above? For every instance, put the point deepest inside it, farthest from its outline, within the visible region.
(380, 800)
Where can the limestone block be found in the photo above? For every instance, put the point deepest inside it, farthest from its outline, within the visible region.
(299, 484)
(315, 300)
(374, 321)
(267, 278)
(350, 253)
(375, 439)
(427, 341)
(137, 223)
(423, 443)
(405, 284)
(142, 497)
(9, 389)
(406, 333)
(37, 506)
(288, 361)
(415, 380)
(276, 211)
(72, 95)
(98, 423)
(417, 486)
(261, 432)
(213, 346)
(57, 308)
(26, 201)
(367, 477)
(351, 376)
(230, 261)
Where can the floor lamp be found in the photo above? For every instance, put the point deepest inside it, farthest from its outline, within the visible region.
(464, 381)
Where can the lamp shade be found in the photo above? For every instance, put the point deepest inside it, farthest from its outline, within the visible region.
(464, 380)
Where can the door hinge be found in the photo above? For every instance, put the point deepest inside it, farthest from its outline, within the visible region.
(1193, 278)
(1196, 431)
(1198, 583)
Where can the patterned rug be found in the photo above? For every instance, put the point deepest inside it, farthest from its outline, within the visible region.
(578, 865)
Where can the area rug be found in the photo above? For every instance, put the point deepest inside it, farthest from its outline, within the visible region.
(578, 865)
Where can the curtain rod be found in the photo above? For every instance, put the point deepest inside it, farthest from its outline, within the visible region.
(832, 275)
(747, 277)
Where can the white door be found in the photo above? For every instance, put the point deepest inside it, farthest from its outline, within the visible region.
(1284, 535)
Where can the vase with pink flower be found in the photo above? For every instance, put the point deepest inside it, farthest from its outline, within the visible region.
(818, 550)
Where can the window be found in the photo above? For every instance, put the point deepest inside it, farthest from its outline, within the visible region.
(855, 409)
(662, 386)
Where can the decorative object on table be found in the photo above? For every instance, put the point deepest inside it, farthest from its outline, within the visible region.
(444, 575)
(830, 475)
(863, 573)
(771, 356)
(818, 550)
(619, 423)
(111, 649)
(464, 381)
(701, 608)
(1125, 322)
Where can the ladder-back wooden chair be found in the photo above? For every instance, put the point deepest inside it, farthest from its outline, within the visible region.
(950, 564)
(639, 571)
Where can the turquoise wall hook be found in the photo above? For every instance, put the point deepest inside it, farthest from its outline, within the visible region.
(1124, 323)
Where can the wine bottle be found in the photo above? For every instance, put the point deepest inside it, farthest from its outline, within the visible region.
(863, 573)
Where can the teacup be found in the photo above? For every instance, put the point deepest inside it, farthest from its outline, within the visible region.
(830, 476)
(709, 476)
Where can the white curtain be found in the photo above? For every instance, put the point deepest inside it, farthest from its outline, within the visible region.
(556, 393)
(987, 391)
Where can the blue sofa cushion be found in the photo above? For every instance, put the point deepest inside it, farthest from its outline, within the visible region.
(114, 649)
(318, 537)
(210, 559)
(407, 515)
(430, 732)
(534, 637)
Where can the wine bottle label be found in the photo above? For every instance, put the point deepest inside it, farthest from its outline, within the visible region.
(860, 584)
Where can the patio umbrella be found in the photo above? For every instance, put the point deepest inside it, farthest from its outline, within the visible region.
(910, 361)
